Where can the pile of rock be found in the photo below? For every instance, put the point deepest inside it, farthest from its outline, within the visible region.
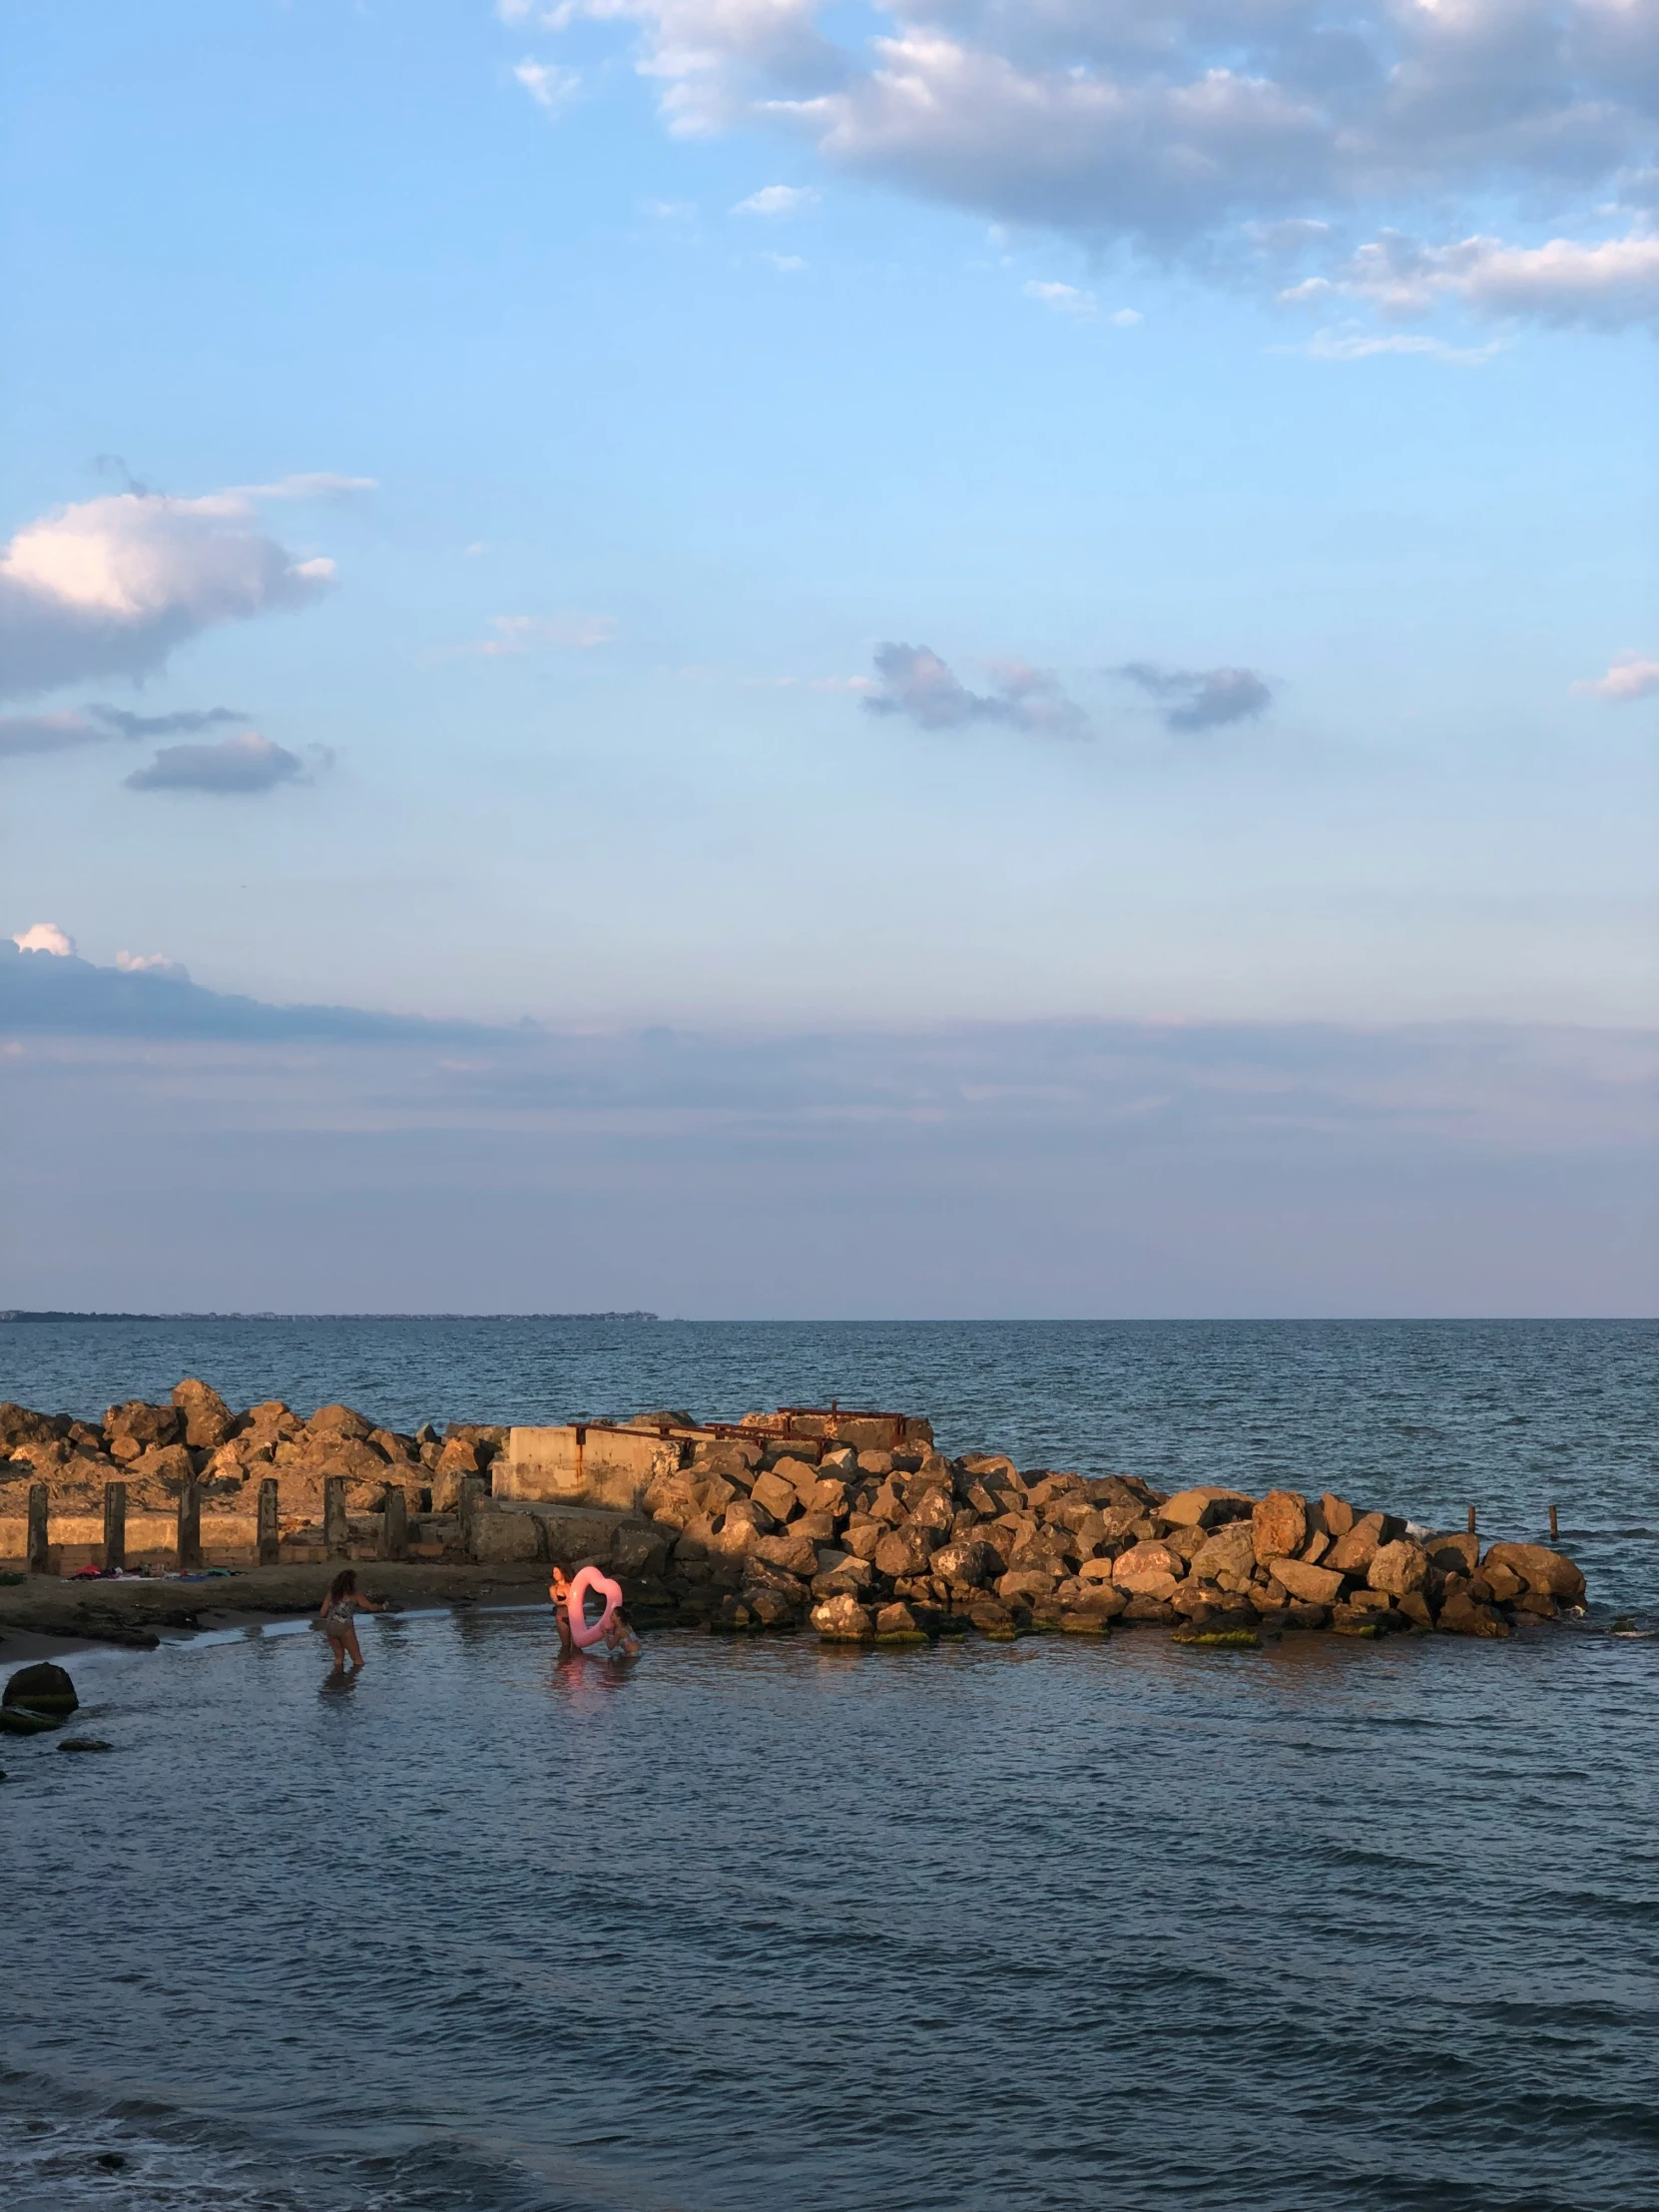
(898, 1546)
(157, 1449)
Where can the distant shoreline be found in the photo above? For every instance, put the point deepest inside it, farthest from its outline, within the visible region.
(20, 1314)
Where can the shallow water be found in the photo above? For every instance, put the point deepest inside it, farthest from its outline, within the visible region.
(762, 1925)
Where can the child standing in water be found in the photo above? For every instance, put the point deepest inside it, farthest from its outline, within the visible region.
(337, 1617)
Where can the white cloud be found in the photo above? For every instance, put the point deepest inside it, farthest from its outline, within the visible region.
(1632, 676)
(1176, 127)
(110, 586)
(1064, 300)
(151, 963)
(549, 86)
(518, 633)
(787, 264)
(1127, 318)
(1364, 345)
(1608, 283)
(44, 936)
(777, 199)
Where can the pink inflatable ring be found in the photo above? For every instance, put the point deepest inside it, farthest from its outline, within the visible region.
(584, 1634)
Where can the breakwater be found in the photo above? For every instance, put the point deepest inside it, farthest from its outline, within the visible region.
(848, 1522)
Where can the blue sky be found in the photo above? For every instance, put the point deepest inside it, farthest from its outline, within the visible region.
(766, 521)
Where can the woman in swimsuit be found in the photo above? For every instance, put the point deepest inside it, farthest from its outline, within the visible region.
(337, 1617)
(558, 1589)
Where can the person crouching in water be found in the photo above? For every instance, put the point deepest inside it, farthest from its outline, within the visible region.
(337, 1617)
(558, 1591)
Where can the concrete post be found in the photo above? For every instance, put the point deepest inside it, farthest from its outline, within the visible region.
(271, 1534)
(394, 1523)
(115, 1524)
(190, 1528)
(336, 1536)
(39, 1551)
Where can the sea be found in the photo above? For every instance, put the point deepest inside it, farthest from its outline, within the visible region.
(769, 1927)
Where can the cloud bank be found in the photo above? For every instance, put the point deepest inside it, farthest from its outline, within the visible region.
(1182, 128)
(111, 586)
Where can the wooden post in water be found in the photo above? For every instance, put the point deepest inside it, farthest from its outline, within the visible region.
(115, 1524)
(1554, 1528)
(271, 1533)
(394, 1523)
(40, 1550)
(189, 1527)
(336, 1536)
(472, 1490)
(1472, 1521)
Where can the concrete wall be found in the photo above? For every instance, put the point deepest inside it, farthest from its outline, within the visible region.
(582, 1463)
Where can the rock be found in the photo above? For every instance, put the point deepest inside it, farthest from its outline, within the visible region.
(1454, 1551)
(1353, 1620)
(1027, 1584)
(1400, 1567)
(1146, 1605)
(18, 1719)
(1354, 1553)
(861, 1536)
(1050, 1551)
(1415, 1607)
(85, 1743)
(459, 1454)
(965, 1564)
(767, 1607)
(1336, 1516)
(1300, 1614)
(340, 1421)
(877, 1464)
(1198, 1508)
(42, 1688)
(1228, 1550)
(19, 1427)
(905, 1552)
(1301, 1579)
(1463, 1615)
(1150, 1569)
(933, 1509)
(208, 1419)
(1538, 1603)
(1536, 1567)
(780, 1497)
(793, 1553)
(994, 1620)
(1222, 1632)
(1090, 1616)
(897, 1624)
(143, 1423)
(842, 1620)
(1278, 1525)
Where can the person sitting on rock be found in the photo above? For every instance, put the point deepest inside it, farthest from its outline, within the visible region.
(337, 1616)
(558, 1591)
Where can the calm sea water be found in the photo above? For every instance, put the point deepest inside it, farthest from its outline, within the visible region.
(769, 1925)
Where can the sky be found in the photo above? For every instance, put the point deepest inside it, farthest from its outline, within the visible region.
(1060, 597)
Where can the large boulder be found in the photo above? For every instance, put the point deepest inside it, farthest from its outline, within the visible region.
(905, 1552)
(965, 1564)
(933, 1509)
(842, 1620)
(779, 1495)
(499, 1534)
(1311, 1584)
(1463, 1615)
(1399, 1568)
(1454, 1551)
(339, 1420)
(1278, 1525)
(19, 1427)
(1229, 1550)
(208, 1419)
(1152, 1568)
(1537, 1568)
(793, 1553)
(1354, 1553)
(1203, 1508)
(897, 1624)
(137, 1424)
(43, 1689)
